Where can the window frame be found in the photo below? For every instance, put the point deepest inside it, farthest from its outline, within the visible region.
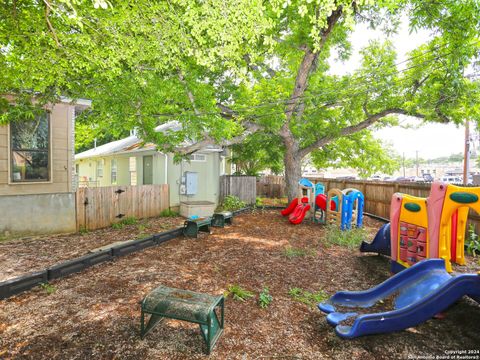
(49, 153)
(194, 155)
(100, 165)
(112, 161)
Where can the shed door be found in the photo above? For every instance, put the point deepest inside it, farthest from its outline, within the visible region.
(148, 170)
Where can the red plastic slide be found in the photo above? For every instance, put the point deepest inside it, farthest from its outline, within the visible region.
(290, 208)
(299, 213)
(321, 202)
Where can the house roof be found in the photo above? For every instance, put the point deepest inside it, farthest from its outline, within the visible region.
(135, 144)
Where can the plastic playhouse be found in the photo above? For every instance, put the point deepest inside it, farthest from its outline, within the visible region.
(346, 207)
(422, 228)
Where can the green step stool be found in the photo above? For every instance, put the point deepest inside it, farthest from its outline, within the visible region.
(222, 219)
(191, 228)
(203, 309)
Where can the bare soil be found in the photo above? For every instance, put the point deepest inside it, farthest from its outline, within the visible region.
(95, 314)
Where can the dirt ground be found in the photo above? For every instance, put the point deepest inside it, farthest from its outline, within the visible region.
(95, 314)
(23, 255)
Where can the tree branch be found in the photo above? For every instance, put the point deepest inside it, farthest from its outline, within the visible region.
(226, 112)
(49, 24)
(370, 120)
(189, 93)
(250, 128)
(306, 67)
(254, 67)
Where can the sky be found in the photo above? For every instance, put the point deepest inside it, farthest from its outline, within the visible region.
(430, 140)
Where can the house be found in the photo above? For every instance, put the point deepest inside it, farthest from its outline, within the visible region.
(37, 192)
(131, 161)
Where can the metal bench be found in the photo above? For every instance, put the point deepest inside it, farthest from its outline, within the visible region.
(222, 219)
(191, 228)
(205, 310)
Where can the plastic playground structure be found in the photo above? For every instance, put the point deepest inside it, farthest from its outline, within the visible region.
(422, 228)
(423, 237)
(346, 207)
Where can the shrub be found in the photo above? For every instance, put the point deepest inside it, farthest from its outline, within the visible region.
(473, 246)
(306, 297)
(168, 213)
(265, 298)
(231, 203)
(291, 252)
(349, 238)
(238, 293)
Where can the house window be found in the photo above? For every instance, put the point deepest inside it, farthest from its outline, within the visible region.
(114, 171)
(29, 145)
(198, 157)
(100, 168)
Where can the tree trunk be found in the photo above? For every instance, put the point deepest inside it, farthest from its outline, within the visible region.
(293, 173)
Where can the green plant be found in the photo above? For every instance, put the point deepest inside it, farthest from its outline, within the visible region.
(232, 202)
(306, 297)
(350, 238)
(238, 293)
(49, 288)
(168, 213)
(83, 230)
(473, 246)
(258, 201)
(291, 252)
(130, 220)
(265, 298)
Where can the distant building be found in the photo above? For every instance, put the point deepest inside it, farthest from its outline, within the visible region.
(131, 161)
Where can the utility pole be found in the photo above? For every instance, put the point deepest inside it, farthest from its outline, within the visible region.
(466, 157)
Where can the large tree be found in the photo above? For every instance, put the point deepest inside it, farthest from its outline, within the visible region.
(228, 70)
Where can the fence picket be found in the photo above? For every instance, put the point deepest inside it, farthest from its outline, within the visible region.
(105, 204)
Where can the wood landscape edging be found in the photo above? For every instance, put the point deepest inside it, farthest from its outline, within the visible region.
(28, 281)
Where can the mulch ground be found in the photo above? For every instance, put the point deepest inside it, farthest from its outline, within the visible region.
(95, 314)
(20, 256)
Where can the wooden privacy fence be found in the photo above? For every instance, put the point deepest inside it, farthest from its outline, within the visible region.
(243, 187)
(102, 206)
(271, 186)
(378, 195)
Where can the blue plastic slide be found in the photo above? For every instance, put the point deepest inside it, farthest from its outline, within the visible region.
(381, 242)
(419, 292)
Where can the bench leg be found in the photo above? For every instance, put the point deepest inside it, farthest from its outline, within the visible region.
(152, 322)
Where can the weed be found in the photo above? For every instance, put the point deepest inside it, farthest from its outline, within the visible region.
(306, 297)
(83, 230)
(168, 213)
(258, 201)
(142, 227)
(49, 288)
(291, 252)
(473, 246)
(131, 220)
(265, 298)
(349, 238)
(238, 293)
(231, 203)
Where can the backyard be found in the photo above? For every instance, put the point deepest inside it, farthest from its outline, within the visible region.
(95, 313)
